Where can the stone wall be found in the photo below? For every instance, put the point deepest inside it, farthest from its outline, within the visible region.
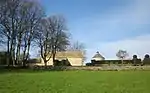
(94, 68)
(117, 62)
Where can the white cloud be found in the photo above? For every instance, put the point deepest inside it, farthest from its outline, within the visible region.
(123, 21)
(137, 13)
(130, 22)
(115, 23)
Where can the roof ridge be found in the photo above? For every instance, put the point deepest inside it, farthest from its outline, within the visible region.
(97, 55)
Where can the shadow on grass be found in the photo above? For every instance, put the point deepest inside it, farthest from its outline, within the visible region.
(19, 69)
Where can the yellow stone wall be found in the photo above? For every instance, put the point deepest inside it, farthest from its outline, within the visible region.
(73, 62)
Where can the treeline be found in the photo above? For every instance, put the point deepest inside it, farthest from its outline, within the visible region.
(23, 23)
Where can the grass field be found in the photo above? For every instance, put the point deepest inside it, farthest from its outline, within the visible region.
(75, 82)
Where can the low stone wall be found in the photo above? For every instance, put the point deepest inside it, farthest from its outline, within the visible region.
(94, 68)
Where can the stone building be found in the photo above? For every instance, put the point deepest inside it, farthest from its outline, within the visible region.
(68, 58)
(98, 57)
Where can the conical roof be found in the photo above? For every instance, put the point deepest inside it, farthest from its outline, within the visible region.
(98, 55)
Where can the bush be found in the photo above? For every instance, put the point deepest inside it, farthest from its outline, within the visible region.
(89, 64)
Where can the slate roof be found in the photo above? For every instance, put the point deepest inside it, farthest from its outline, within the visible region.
(69, 54)
(98, 55)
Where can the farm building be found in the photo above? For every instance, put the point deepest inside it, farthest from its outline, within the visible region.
(69, 58)
(98, 57)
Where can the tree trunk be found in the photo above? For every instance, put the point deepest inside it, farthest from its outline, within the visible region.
(28, 49)
(45, 62)
(8, 53)
(13, 40)
(53, 60)
(53, 55)
(134, 61)
(122, 62)
(24, 54)
(12, 52)
(24, 64)
(18, 51)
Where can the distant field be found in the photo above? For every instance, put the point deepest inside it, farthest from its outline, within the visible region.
(75, 82)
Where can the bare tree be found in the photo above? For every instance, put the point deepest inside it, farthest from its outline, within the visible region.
(18, 21)
(8, 21)
(22, 27)
(121, 54)
(52, 37)
(59, 39)
(78, 46)
(43, 40)
(34, 15)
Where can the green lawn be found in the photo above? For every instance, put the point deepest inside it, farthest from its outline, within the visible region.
(75, 82)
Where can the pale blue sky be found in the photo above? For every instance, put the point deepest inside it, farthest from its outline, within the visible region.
(106, 25)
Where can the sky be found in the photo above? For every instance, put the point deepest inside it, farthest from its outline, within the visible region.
(106, 25)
